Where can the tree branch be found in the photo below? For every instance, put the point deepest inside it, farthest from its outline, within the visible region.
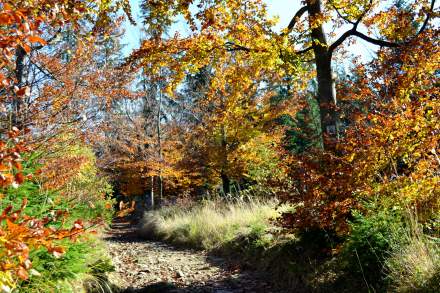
(295, 18)
(377, 42)
(354, 32)
(231, 46)
(340, 14)
(428, 17)
(304, 50)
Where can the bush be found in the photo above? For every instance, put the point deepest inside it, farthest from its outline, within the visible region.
(83, 261)
(82, 195)
(387, 248)
(73, 173)
(369, 242)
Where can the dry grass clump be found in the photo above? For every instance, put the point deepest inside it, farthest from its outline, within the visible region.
(209, 225)
(414, 262)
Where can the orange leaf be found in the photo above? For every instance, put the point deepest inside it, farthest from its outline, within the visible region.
(23, 91)
(26, 47)
(37, 39)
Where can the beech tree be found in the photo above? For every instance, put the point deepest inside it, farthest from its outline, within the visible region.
(360, 16)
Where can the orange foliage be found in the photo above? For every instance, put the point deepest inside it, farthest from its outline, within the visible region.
(22, 27)
(390, 148)
(22, 233)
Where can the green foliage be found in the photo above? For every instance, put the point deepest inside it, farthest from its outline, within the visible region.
(369, 242)
(82, 261)
(387, 248)
(83, 197)
(302, 131)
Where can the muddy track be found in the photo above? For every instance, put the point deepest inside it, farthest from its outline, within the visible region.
(147, 266)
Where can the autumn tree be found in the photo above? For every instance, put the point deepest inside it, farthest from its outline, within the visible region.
(27, 27)
(360, 16)
(229, 36)
(213, 24)
(390, 145)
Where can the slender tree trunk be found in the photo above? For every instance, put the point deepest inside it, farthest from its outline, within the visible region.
(146, 112)
(159, 144)
(226, 182)
(20, 54)
(326, 85)
(152, 192)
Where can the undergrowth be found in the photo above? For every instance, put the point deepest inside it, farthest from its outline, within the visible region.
(385, 250)
(81, 196)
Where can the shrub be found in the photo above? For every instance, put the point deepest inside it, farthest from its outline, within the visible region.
(73, 173)
(388, 249)
(49, 264)
(82, 261)
(369, 242)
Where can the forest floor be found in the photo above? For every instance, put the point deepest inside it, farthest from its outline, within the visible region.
(147, 266)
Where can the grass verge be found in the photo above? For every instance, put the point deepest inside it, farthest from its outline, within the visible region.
(384, 251)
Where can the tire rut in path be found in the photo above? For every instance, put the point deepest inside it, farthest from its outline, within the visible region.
(147, 266)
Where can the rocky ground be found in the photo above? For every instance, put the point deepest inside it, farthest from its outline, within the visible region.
(146, 266)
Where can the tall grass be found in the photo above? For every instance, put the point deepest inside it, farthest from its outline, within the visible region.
(211, 224)
(414, 262)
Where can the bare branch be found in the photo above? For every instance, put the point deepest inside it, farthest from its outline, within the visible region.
(382, 43)
(428, 17)
(341, 39)
(377, 42)
(295, 18)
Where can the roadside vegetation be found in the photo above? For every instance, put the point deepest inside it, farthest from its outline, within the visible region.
(77, 202)
(385, 250)
(211, 225)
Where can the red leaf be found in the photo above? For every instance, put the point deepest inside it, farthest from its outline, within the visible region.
(19, 178)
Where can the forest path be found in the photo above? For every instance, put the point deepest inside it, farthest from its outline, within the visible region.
(147, 266)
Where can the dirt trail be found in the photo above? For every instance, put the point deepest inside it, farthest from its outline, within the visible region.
(145, 266)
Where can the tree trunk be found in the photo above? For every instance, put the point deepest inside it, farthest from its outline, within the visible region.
(159, 144)
(226, 182)
(326, 85)
(20, 54)
(152, 192)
